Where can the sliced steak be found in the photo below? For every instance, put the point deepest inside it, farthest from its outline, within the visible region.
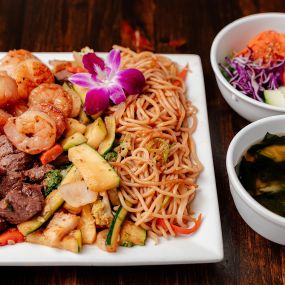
(3, 225)
(20, 205)
(2, 171)
(11, 158)
(16, 161)
(38, 172)
(9, 182)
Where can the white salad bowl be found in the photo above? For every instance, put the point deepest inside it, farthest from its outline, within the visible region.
(235, 37)
(260, 219)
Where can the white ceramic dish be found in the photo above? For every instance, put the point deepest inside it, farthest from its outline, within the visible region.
(203, 247)
(261, 220)
(234, 37)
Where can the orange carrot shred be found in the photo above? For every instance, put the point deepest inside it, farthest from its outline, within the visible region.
(51, 154)
(180, 230)
(182, 75)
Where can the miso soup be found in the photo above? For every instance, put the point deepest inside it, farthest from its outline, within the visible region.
(261, 171)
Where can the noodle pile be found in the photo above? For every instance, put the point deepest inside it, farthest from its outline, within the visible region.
(157, 160)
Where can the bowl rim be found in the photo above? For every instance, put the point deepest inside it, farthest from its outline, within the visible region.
(215, 65)
(233, 178)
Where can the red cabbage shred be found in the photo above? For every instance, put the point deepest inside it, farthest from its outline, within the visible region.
(252, 77)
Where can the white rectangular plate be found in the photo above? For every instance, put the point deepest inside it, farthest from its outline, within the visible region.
(202, 247)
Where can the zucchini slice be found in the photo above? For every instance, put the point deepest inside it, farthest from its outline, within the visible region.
(74, 126)
(95, 133)
(80, 91)
(115, 228)
(97, 173)
(132, 235)
(83, 118)
(107, 143)
(74, 140)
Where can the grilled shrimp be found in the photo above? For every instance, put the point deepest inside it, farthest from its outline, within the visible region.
(54, 114)
(32, 132)
(27, 70)
(53, 94)
(9, 62)
(8, 90)
(29, 74)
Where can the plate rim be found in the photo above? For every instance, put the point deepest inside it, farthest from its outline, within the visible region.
(215, 255)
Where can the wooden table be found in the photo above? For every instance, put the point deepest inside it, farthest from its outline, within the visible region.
(69, 25)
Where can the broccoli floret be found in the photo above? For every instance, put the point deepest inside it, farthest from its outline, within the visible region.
(111, 156)
(51, 181)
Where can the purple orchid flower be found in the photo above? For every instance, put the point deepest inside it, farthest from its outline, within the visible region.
(105, 81)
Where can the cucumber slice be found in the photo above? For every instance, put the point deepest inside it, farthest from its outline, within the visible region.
(275, 97)
(96, 171)
(115, 228)
(107, 143)
(74, 140)
(95, 133)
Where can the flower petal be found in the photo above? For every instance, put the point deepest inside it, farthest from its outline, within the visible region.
(114, 59)
(117, 94)
(82, 79)
(90, 60)
(96, 100)
(131, 79)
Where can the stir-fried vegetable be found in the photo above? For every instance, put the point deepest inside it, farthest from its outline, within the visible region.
(180, 230)
(111, 156)
(11, 236)
(51, 154)
(181, 75)
(101, 211)
(51, 181)
(77, 194)
(160, 148)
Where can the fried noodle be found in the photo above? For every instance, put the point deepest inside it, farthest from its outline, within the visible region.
(157, 159)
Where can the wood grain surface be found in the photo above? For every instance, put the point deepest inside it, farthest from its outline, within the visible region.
(167, 26)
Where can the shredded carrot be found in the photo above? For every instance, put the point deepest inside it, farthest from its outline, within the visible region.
(11, 236)
(182, 231)
(75, 69)
(182, 75)
(267, 45)
(51, 154)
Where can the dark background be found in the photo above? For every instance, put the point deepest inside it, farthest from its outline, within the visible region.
(172, 27)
